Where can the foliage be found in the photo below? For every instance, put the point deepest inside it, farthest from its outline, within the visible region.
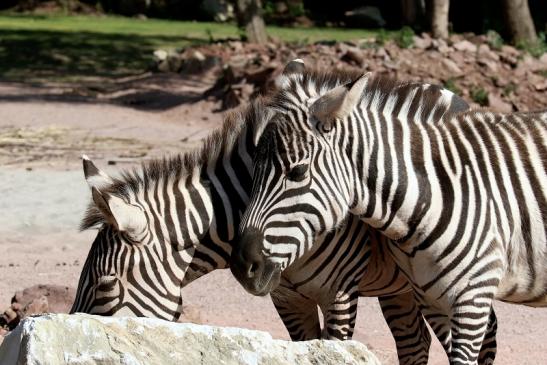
(509, 89)
(450, 84)
(479, 95)
(382, 37)
(296, 9)
(405, 37)
(536, 49)
(494, 39)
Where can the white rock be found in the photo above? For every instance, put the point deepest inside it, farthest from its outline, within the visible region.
(465, 46)
(160, 55)
(85, 340)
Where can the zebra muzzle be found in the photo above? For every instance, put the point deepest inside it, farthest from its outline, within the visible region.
(251, 268)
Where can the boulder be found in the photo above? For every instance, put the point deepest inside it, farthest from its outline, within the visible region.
(86, 339)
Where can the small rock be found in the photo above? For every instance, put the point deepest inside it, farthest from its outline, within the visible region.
(16, 306)
(37, 306)
(510, 50)
(485, 52)
(497, 104)
(381, 53)
(465, 46)
(452, 67)
(543, 59)
(238, 61)
(541, 86)
(391, 65)
(160, 55)
(491, 65)
(10, 314)
(422, 43)
(509, 59)
(354, 56)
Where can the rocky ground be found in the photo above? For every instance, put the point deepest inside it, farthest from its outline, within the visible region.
(480, 68)
(44, 129)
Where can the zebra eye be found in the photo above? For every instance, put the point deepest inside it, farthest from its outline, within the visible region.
(297, 173)
(106, 283)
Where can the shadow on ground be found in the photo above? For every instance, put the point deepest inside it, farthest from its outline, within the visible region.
(91, 67)
(27, 55)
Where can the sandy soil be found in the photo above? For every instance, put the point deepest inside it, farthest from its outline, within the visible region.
(43, 196)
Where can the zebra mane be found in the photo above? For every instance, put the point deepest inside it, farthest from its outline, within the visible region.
(246, 119)
(378, 86)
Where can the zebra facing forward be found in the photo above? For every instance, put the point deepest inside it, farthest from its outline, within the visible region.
(462, 199)
(172, 221)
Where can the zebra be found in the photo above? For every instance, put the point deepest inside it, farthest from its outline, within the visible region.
(461, 199)
(171, 221)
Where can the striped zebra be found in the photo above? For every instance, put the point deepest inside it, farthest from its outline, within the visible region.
(171, 221)
(462, 199)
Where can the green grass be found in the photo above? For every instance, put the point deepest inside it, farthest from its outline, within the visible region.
(70, 48)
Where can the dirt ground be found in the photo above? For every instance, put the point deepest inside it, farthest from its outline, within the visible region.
(43, 131)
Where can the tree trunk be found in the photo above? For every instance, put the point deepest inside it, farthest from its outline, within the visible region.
(439, 17)
(519, 21)
(249, 17)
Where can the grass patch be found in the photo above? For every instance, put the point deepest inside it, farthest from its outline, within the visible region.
(479, 96)
(69, 48)
(536, 49)
(405, 37)
(450, 84)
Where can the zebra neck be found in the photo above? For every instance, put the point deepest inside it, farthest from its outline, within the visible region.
(227, 180)
(398, 156)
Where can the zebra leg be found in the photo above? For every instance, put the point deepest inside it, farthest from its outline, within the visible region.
(489, 345)
(340, 315)
(408, 328)
(298, 313)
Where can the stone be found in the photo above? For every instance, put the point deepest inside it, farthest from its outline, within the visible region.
(160, 55)
(354, 56)
(452, 67)
(89, 340)
(422, 43)
(465, 46)
(497, 104)
(490, 64)
(541, 86)
(38, 299)
(510, 50)
(486, 53)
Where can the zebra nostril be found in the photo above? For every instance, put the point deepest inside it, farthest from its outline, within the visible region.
(253, 268)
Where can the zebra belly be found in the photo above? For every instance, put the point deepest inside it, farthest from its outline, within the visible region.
(521, 285)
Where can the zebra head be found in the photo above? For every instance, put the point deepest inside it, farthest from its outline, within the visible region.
(135, 266)
(312, 157)
(292, 204)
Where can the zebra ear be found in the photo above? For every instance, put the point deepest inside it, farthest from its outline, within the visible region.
(339, 102)
(125, 217)
(295, 66)
(95, 178)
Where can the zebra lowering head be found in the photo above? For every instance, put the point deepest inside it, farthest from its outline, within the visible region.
(131, 268)
(168, 222)
(293, 201)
